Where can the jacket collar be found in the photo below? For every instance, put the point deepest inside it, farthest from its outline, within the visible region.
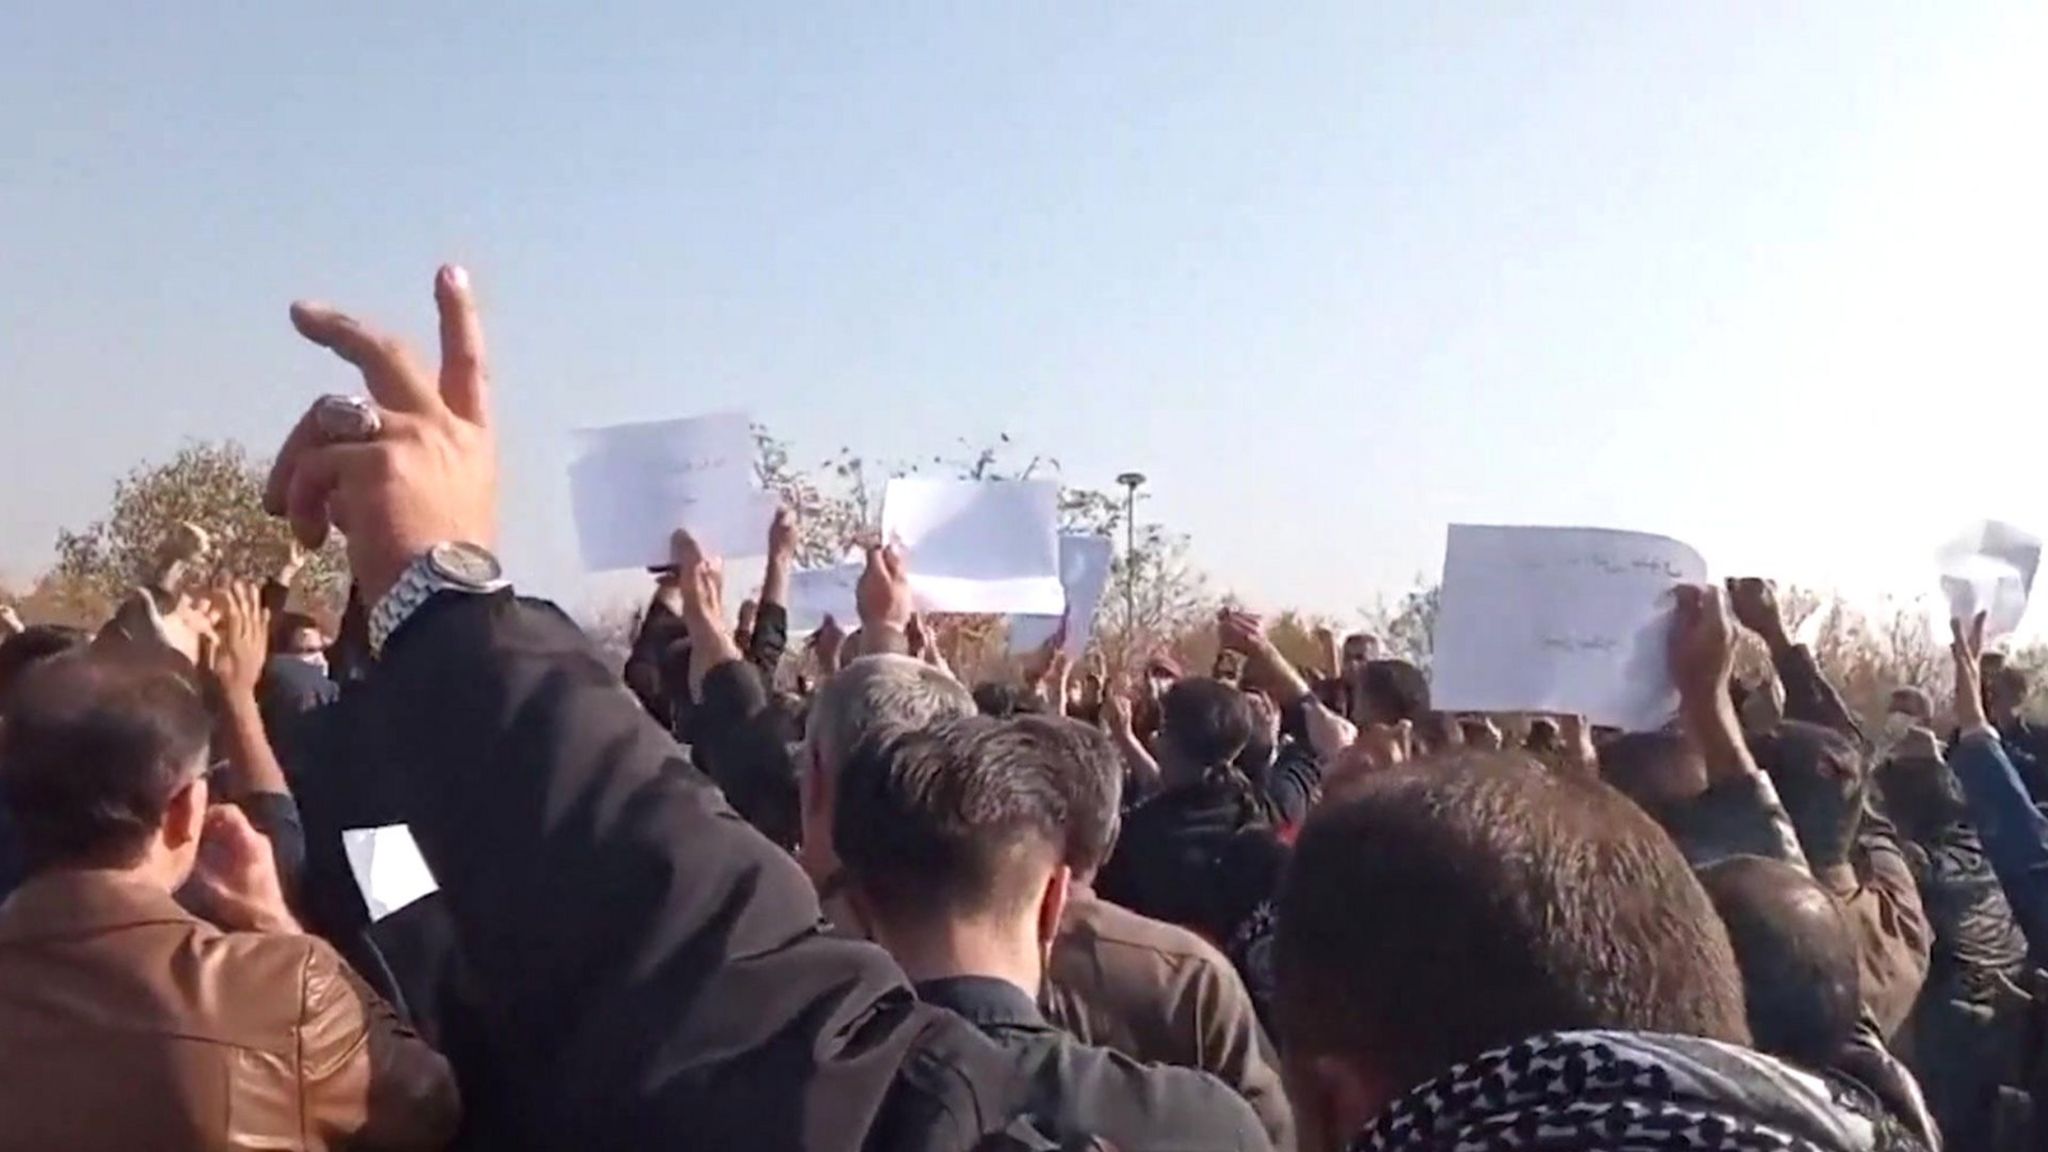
(985, 1001)
(70, 903)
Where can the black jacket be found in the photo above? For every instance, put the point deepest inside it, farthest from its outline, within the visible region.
(1078, 1090)
(652, 971)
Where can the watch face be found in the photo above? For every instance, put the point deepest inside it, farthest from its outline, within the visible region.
(461, 563)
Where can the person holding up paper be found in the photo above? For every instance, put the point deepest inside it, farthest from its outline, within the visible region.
(1559, 620)
(978, 545)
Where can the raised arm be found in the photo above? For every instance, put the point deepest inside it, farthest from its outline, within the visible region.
(2015, 833)
(1808, 695)
(768, 639)
(652, 965)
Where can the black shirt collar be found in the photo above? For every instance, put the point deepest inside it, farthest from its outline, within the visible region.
(984, 1001)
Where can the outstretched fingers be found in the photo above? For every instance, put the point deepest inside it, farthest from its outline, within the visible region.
(465, 372)
(392, 376)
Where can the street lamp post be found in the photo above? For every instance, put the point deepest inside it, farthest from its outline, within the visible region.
(1131, 482)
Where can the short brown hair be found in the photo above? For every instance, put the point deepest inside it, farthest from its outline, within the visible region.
(1455, 905)
(95, 746)
(949, 821)
(1091, 772)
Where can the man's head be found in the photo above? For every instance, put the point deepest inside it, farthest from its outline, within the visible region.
(102, 765)
(1657, 770)
(1390, 691)
(1452, 905)
(1360, 648)
(1203, 724)
(2005, 689)
(954, 839)
(1092, 776)
(32, 646)
(874, 698)
(1820, 778)
(298, 635)
(1797, 954)
(1921, 794)
(1914, 704)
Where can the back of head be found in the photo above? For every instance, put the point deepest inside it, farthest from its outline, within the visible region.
(1797, 955)
(998, 699)
(1091, 774)
(32, 646)
(1394, 690)
(877, 698)
(1922, 794)
(94, 748)
(1457, 904)
(1654, 769)
(1204, 722)
(956, 822)
(1820, 777)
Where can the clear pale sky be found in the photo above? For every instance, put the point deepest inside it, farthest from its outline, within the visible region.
(1767, 277)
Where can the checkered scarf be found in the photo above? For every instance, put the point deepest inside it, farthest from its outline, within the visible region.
(1626, 1092)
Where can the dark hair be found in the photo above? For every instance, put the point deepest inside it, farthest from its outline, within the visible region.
(1453, 905)
(285, 624)
(32, 646)
(998, 700)
(1797, 955)
(94, 748)
(1091, 774)
(1207, 721)
(951, 819)
(1922, 795)
(1644, 766)
(1821, 780)
(1393, 690)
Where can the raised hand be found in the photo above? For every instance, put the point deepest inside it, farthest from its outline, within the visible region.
(782, 534)
(1116, 715)
(1967, 647)
(1755, 604)
(235, 882)
(702, 580)
(826, 642)
(883, 597)
(241, 641)
(1702, 646)
(427, 472)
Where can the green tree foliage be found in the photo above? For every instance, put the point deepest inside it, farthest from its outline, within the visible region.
(212, 484)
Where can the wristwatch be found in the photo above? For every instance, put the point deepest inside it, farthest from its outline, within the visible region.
(450, 566)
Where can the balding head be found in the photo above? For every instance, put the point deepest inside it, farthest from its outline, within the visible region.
(872, 699)
(1797, 955)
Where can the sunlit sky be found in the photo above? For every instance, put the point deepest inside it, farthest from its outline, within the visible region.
(1766, 277)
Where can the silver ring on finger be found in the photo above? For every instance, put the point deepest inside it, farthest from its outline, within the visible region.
(346, 419)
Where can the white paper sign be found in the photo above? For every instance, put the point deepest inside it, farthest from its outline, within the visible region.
(1989, 568)
(388, 867)
(1571, 620)
(1085, 562)
(815, 593)
(631, 485)
(978, 545)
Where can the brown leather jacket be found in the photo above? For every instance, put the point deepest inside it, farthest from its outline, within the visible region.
(1160, 993)
(127, 1023)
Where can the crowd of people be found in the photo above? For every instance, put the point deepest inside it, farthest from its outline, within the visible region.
(738, 896)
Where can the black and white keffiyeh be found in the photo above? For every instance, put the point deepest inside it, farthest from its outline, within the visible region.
(1625, 1092)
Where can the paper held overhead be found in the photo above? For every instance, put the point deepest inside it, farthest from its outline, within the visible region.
(1085, 563)
(816, 593)
(631, 485)
(1565, 620)
(1989, 568)
(978, 545)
